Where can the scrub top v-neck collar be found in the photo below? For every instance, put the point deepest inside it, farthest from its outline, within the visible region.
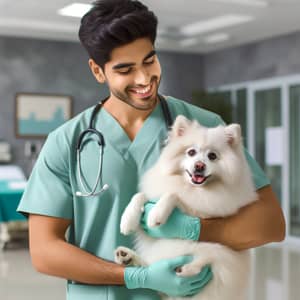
(118, 138)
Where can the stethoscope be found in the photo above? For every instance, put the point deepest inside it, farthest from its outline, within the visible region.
(91, 130)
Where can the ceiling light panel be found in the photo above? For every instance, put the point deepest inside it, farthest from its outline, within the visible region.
(244, 2)
(75, 10)
(216, 38)
(214, 24)
(189, 42)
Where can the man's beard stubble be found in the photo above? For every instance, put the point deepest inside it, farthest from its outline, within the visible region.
(124, 97)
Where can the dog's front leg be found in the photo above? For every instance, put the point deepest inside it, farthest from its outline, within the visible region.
(130, 219)
(162, 210)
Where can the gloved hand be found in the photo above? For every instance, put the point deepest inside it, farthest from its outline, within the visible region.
(161, 276)
(178, 225)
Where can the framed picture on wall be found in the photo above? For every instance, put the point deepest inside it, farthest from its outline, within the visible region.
(36, 115)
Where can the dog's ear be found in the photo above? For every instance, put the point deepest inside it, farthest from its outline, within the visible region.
(233, 134)
(180, 125)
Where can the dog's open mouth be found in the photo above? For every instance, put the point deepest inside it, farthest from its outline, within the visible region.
(197, 177)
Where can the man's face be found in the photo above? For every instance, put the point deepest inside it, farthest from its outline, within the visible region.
(133, 74)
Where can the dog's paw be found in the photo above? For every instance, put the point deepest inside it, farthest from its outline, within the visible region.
(129, 223)
(188, 270)
(125, 256)
(130, 220)
(155, 218)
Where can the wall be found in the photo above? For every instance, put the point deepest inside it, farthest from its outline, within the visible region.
(269, 58)
(28, 65)
(182, 74)
(39, 66)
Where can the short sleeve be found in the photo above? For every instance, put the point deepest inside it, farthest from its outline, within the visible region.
(48, 190)
(259, 177)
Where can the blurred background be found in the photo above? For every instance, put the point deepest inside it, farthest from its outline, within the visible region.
(239, 58)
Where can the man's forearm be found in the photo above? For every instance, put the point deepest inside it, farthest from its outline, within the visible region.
(61, 259)
(254, 225)
(51, 254)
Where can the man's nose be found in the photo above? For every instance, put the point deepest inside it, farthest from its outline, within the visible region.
(142, 77)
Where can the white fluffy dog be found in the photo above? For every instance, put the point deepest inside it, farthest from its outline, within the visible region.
(203, 172)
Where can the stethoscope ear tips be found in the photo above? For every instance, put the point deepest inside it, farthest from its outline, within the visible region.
(92, 194)
(105, 187)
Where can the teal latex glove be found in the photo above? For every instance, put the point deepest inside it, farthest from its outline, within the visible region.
(178, 225)
(161, 276)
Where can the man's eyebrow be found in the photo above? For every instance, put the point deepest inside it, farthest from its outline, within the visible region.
(127, 65)
(152, 53)
(122, 65)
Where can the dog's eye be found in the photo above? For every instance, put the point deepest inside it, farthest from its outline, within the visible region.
(191, 152)
(212, 156)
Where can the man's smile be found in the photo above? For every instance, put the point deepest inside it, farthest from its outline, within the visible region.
(143, 92)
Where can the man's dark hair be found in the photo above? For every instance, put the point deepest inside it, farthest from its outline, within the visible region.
(114, 23)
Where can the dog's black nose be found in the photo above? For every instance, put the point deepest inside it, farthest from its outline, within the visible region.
(200, 166)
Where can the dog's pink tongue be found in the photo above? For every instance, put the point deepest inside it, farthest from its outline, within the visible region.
(198, 178)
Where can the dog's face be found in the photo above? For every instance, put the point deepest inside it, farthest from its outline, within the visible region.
(203, 155)
(199, 164)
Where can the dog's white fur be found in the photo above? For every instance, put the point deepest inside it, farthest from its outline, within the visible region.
(228, 187)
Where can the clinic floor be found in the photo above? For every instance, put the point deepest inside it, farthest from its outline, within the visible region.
(275, 276)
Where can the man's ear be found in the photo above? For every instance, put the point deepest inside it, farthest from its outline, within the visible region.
(97, 71)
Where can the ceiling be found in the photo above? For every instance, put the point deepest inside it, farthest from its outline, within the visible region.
(39, 19)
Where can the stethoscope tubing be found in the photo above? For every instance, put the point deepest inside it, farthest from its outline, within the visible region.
(91, 130)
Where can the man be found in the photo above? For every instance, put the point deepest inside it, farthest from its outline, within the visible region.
(119, 36)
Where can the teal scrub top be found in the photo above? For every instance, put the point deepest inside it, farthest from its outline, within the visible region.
(95, 228)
